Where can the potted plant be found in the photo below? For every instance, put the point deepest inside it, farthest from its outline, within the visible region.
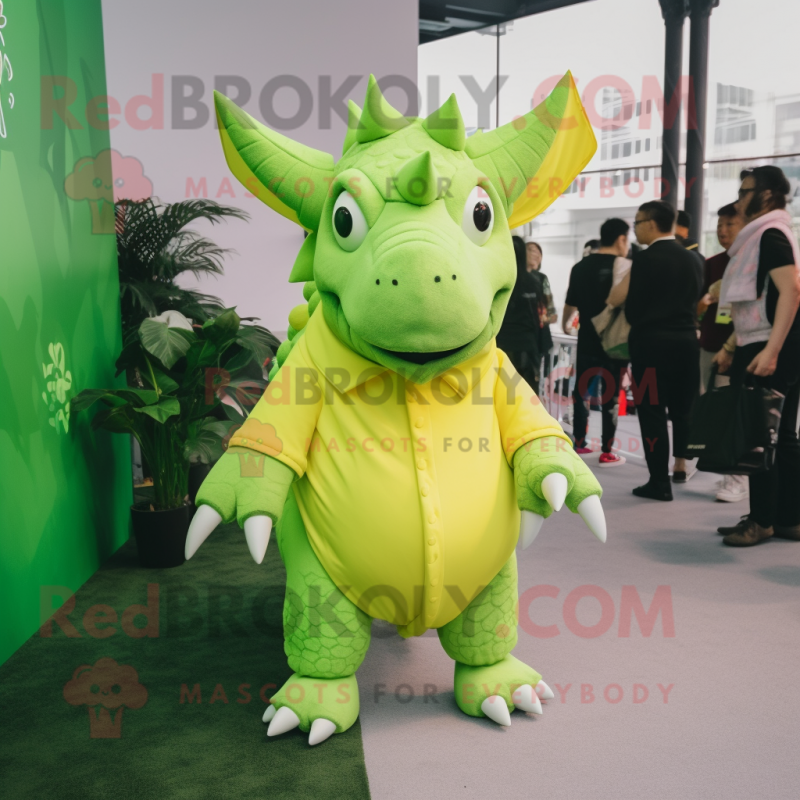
(195, 384)
(155, 248)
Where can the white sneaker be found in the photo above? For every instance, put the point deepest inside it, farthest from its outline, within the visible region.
(734, 488)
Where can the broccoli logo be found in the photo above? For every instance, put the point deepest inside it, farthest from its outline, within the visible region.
(107, 179)
(58, 382)
(107, 689)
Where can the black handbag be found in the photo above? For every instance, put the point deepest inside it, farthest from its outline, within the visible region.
(734, 429)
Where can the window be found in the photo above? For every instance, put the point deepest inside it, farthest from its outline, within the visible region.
(646, 145)
(617, 180)
(626, 149)
(638, 145)
(603, 152)
(615, 151)
(639, 108)
(627, 112)
(646, 174)
(626, 177)
(649, 105)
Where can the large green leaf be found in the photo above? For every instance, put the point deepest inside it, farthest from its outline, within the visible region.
(85, 399)
(259, 341)
(166, 344)
(165, 384)
(137, 397)
(225, 325)
(168, 407)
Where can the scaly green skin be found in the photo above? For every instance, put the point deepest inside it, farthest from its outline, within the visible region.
(410, 181)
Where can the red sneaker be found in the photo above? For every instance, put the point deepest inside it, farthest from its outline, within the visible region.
(584, 451)
(611, 460)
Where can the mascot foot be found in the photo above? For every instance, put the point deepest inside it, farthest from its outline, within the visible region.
(495, 691)
(318, 706)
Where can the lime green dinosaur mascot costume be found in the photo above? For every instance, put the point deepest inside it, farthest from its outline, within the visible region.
(395, 445)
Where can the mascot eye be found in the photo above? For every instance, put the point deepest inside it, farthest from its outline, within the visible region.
(349, 225)
(478, 218)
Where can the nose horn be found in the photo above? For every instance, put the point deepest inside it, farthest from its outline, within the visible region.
(418, 181)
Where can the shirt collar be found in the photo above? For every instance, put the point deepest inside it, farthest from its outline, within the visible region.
(330, 353)
(665, 238)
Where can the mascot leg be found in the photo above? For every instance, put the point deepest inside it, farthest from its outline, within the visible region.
(489, 681)
(326, 638)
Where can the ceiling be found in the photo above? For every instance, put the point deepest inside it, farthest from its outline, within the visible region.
(439, 19)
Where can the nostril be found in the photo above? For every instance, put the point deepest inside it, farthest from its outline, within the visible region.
(437, 279)
(454, 277)
(394, 283)
(378, 282)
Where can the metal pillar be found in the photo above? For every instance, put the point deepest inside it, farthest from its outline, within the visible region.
(674, 13)
(696, 127)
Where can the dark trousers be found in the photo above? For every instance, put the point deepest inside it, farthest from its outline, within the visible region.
(666, 377)
(775, 495)
(528, 365)
(609, 373)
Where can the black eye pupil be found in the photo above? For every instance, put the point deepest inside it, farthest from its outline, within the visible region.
(343, 222)
(482, 216)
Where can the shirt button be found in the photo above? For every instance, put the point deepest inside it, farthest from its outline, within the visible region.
(421, 463)
(424, 490)
(419, 423)
(432, 519)
(432, 599)
(431, 542)
(434, 581)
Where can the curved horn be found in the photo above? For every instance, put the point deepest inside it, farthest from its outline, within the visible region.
(378, 119)
(446, 126)
(287, 176)
(417, 180)
(533, 159)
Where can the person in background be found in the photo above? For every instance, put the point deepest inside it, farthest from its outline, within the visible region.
(590, 283)
(715, 335)
(591, 247)
(762, 283)
(682, 225)
(665, 284)
(520, 332)
(547, 307)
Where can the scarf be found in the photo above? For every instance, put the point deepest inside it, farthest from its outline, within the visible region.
(739, 283)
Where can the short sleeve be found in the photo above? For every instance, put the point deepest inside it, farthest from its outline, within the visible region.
(776, 251)
(284, 419)
(520, 413)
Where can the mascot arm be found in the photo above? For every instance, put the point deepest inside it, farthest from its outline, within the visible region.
(547, 470)
(251, 481)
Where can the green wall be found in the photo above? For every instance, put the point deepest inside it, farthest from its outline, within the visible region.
(64, 490)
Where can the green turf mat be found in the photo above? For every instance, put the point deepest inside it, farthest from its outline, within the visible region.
(219, 618)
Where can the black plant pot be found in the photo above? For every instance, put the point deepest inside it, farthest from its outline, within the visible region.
(161, 535)
(197, 474)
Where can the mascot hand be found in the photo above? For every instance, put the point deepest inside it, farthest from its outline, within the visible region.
(246, 486)
(547, 473)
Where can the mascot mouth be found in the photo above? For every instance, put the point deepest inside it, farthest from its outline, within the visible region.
(422, 358)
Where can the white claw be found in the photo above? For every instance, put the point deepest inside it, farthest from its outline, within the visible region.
(269, 714)
(554, 489)
(591, 511)
(321, 729)
(495, 708)
(203, 523)
(530, 524)
(257, 530)
(283, 721)
(525, 699)
(544, 691)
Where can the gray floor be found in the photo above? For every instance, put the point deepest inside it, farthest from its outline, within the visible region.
(730, 726)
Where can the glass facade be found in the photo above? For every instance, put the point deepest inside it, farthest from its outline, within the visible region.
(615, 49)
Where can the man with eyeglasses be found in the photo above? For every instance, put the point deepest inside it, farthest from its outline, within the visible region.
(665, 285)
(762, 285)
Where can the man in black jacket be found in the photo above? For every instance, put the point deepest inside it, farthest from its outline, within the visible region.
(665, 285)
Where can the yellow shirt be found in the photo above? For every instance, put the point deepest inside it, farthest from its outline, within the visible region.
(406, 490)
